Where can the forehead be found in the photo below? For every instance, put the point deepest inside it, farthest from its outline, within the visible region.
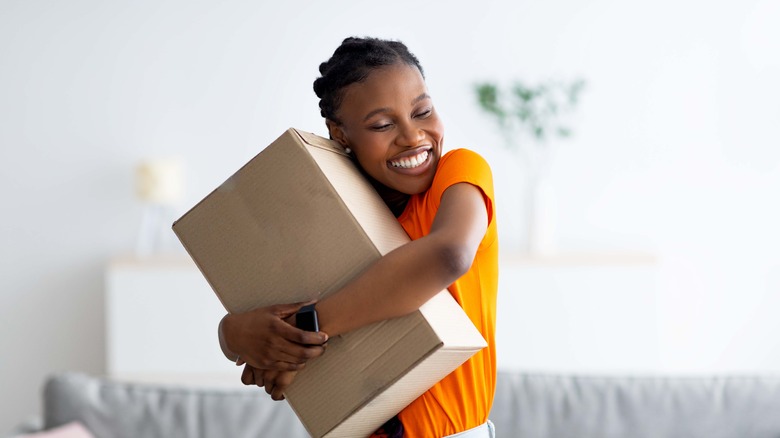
(388, 86)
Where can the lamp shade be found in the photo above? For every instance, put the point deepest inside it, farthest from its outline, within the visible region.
(159, 180)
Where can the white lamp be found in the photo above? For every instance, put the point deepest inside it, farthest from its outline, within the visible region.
(159, 185)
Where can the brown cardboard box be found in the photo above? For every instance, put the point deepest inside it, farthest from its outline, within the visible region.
(295, 223)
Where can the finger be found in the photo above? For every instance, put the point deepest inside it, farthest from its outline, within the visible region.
(288, 363)
(269, 378)
(272, 354)
(288, 344)
(287, 366)
(311, 338)
(282, 382)
(277, 394)
(258, 377)
(298, 336)
(285, 379)
(297, 353)
(285, 310)
(247, 375)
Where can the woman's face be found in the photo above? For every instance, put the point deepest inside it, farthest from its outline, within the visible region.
(389, 122)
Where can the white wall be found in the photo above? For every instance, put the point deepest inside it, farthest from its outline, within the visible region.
(676, 151)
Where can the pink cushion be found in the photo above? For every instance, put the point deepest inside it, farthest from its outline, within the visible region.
(70, 430)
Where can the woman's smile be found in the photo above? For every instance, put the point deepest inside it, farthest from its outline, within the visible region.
(413, 161)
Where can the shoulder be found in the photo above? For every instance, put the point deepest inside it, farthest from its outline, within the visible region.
(466, 166)
(463, 165)
(462, 157)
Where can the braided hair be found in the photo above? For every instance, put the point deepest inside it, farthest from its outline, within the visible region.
(352, 62)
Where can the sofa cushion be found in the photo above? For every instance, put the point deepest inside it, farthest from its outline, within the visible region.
(112, 409)
(538, 405)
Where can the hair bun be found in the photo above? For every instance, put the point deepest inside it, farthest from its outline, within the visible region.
(319, 86)
(324, 67)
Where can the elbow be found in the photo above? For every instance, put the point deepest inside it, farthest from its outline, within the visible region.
(455, 261)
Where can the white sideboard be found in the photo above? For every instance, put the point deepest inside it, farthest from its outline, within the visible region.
(161, 323)
(571, 312)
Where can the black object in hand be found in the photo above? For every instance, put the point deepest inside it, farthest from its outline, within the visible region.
(306, 319)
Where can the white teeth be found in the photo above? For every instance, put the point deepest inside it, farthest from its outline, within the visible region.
(412, 162)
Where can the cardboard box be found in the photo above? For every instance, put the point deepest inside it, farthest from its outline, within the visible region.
(297, 222)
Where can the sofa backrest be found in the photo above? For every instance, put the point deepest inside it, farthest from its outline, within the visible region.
(561, 406)
(526, 405)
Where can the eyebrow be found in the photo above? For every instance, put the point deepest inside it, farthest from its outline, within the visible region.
(386, 109)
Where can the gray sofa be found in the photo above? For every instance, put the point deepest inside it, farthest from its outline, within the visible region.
(526, 405)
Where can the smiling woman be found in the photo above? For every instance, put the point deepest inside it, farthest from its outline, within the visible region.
(376, 104)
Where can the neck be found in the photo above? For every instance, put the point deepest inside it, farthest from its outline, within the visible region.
(394, 199)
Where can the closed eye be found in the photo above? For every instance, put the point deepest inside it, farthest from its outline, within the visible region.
(383, 127)
(423, 114)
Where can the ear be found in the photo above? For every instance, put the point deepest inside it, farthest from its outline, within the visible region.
(336, 132)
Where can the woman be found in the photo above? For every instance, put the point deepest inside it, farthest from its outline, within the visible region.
(376, 104)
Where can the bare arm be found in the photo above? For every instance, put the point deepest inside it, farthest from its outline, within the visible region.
(404, 279)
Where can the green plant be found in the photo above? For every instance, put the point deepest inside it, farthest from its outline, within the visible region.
(536, 110)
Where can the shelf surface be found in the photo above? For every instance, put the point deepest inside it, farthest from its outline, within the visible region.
(514, 258)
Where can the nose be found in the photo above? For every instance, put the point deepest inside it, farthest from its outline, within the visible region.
(409, 135)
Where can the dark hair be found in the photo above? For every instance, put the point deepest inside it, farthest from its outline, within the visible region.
(352, 61)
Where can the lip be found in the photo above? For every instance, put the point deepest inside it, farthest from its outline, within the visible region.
(419, 170)
(412, 152)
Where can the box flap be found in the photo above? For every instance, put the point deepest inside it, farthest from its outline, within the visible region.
(320, 142)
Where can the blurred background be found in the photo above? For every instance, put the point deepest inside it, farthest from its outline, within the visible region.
(664, 251)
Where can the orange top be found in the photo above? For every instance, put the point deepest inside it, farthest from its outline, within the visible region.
(463, 399)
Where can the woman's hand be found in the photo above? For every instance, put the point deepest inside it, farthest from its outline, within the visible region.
(275, 382)
(263, 339)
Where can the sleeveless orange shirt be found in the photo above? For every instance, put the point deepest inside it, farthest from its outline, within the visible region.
(463, 399)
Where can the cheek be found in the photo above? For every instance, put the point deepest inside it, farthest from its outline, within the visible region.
(369, 151)
(436, 129)
(371, 163)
